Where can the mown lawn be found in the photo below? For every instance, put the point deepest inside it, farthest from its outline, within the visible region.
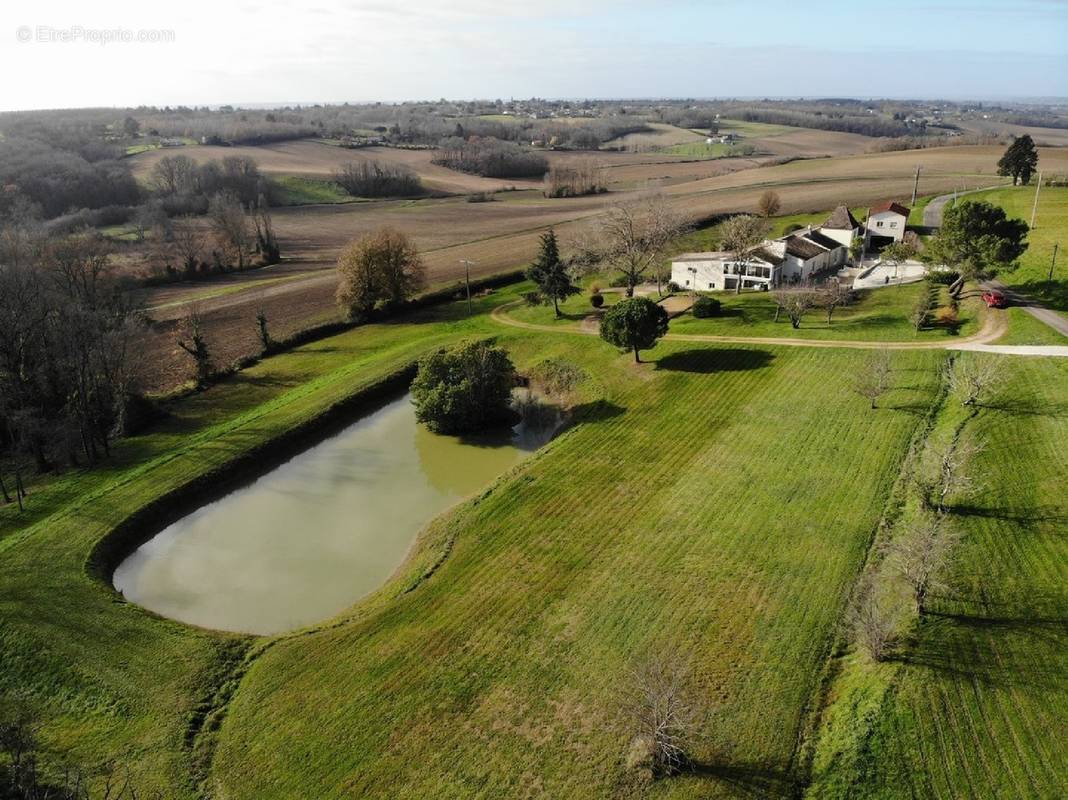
(878, 315)
(715, 504)
(109, 680)
(973, 704)
(1025, 329)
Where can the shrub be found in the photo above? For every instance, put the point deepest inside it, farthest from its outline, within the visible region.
(596, 299)
(945, 277)
(465, 389)
(534, 298)
(556, 376)
(707, 307)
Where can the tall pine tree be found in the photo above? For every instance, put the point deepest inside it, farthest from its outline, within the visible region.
(550, 273)
(1020, 160)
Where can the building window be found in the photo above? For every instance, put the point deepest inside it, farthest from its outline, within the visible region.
(711, 286)
(879, 224)
(893, 224)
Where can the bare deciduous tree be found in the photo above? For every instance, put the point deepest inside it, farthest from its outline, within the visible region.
(874, 378)
(188, 243)
(833, 294)
(795, 302)
(953, 464)
(197, 346)
(663, 713)
(769, 204)
(230, 225)
(871, 618)
(636, 233)
(740, 235)
(972, 379)
(263, 226)
(266, 342)
(920, 556)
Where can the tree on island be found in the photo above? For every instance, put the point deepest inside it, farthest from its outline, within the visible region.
(634, 323)
(549, 272)
(465, 389)
(978, 240)
(1019, 161)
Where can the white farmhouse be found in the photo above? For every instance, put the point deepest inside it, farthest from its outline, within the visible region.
(842, 226)
(795, 258)
(706, 272)
(887, 220)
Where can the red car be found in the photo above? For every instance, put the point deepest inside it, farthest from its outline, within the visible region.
(995, 299)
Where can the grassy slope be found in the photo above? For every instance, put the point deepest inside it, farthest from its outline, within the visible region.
(1051, 225)
(298, 190)
(734, 542)
(972, 706)
(880, 315)
(110, 680)
(1025, 329)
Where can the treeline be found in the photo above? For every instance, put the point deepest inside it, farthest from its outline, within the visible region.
(186, 187)
(871, 125)
(376, 179)
(690, 117)
(67, 355)
(62, 174)
(491, 158)
(583, 178)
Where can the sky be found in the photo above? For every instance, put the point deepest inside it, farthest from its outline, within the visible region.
(61, 53)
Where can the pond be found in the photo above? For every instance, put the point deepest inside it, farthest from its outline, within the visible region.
(314, 535)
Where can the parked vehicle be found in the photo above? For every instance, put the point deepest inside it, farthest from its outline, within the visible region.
(995, 299)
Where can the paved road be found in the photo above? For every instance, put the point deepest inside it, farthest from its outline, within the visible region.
(1045, 315)
(932, 213)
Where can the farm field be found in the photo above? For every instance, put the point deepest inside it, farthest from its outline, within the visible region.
(514, 650)
(502, 235)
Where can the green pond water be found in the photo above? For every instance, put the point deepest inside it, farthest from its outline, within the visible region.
(316, 534)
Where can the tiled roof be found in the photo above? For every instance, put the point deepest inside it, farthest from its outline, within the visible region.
(890, 205)
(766, 255)
(842, 219)
(803, 247)
(823, 241)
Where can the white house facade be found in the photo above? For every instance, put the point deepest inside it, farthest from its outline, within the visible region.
(888, 220)
(795, 258)
(709, 272)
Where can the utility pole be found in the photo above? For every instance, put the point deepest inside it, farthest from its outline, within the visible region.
(916, 184)
(1034, 208)
(467, 262)
(1053, 263)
